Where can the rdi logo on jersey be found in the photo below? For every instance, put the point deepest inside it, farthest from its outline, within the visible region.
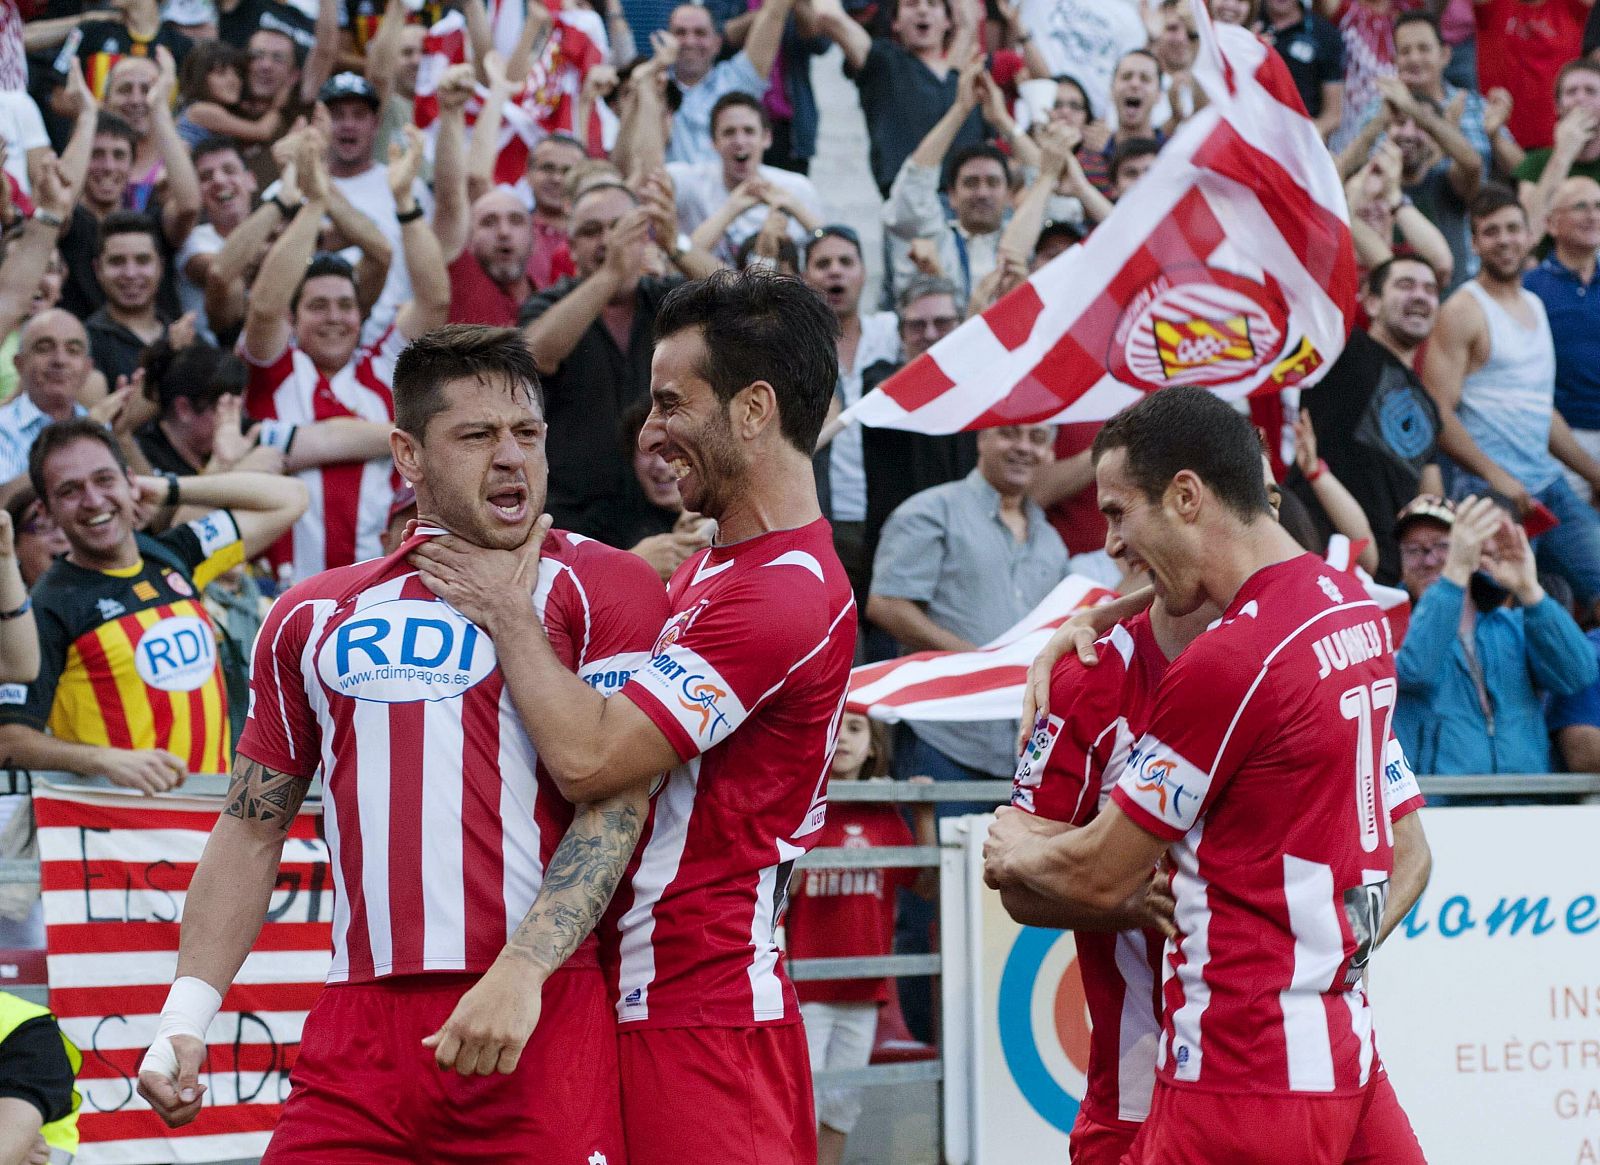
(405, 650)
(177, 654)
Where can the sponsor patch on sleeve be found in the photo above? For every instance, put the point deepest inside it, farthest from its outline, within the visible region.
(1399, 781)
(1163, 784)
(694, 693)
(13, 693)
(215, 530)
(1035, 756)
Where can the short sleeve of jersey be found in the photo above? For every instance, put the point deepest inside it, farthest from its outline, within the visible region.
(34, 1068)
(1401, 793)
(29, 704)
(1066, 753)
(1178, 768)
(263, 381)
(626, 613)
(209, 546)
(714, 666)
(280, 729)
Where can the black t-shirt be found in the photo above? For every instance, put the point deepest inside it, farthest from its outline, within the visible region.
(1377, 428)
(80, 292)
(106, 40)
(115, 350)
(902, 100)
(584, 402)
(1314, 52)
(34, 1068)
(237, 26)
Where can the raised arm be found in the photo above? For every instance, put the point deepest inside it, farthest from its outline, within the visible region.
(324, 54)
(1344, 512)
(1573, 132)
(839, 26)
(914, 209)
(263, 505)
(429, 307)
(1466, 164)
(657, 199)
(230, 891)
(641, 142)
(81, 106)
(766, 35)
(181, 208)
(1021, 234)
(372, 268)
(451, 209)
(383, 50)
(19, 636)
(30, 250)
(266, 321)
(484, 148)
(554, 335)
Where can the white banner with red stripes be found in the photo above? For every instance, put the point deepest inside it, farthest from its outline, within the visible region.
(114, 869)
(985, 684)
(1228, 266)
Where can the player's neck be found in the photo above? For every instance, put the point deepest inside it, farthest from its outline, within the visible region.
(1175, 632)
(1234, 555)
(782, 496)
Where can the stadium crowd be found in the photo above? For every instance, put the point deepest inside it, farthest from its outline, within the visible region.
(223, 223)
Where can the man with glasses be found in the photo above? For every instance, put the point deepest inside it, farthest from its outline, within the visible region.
(1565, 283)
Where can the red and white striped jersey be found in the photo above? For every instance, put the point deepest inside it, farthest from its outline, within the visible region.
(439, 816)
(747, 681)
(349, 501)
(1068, 769)
(1264, 762)
(1066, 773)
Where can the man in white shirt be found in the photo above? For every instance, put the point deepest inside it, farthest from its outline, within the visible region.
(738, 191)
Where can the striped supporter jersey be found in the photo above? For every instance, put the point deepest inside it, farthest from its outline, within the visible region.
(1068, 769)
(128, 658)
(439, 816)
(350, 500)
(1264, 761)
(747, 681)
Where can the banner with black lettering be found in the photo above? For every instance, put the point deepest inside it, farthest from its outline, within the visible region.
(114, 870)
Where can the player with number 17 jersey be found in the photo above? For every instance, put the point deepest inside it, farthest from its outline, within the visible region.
(1261, 763)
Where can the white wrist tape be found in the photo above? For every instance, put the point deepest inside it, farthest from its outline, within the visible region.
(191, 1006)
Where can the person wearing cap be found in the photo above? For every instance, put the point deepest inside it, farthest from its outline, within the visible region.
(835, 270)
(1484, 642)
(352, 106)
(592, 340)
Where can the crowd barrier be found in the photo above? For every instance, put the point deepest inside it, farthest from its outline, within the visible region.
(1481, 1008)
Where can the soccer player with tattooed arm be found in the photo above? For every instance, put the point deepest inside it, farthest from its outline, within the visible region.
(741, 698)
(447, 836)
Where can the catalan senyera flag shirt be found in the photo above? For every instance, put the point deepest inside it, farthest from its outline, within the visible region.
(128, 657)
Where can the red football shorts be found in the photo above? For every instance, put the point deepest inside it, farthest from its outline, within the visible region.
(1093, 1143)
(1191, 1127)
(366, 1092)
(723, 1095)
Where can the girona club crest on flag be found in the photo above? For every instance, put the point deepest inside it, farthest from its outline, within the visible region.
(1198, 326)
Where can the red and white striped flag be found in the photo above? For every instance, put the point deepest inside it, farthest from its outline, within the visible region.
(985, 684)
(114, 869)
(1228, 266)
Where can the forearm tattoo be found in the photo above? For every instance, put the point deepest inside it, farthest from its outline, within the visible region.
(582, 876)
(262, 794)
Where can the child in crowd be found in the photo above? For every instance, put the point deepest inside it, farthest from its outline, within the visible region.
(211, 88)
(838, 913)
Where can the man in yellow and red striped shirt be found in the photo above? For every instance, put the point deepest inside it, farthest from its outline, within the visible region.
(130, 685)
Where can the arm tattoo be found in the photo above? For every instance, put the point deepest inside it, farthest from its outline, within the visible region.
(262, 794)
(582, 876)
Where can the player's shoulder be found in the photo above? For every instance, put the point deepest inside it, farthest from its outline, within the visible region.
(590, 558)
(331, 585)
(1079, 691)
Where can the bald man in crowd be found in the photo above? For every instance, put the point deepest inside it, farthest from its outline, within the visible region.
(1565, 282)
(489, 274)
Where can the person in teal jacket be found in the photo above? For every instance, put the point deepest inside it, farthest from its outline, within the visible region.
(1472, 665)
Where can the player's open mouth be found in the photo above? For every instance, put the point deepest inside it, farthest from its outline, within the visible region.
(510, 504)
(679, 467)
(99, 520)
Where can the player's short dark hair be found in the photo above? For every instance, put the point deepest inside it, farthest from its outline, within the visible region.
(1128, 151)
(214, 144)
(1491, 200)
(759, 325)
(1406, 19)
(974, 153)
(457, 352)
(322, 263)
(199, 373)
(1189, 428)
(109, 125)
(1378, 277)
(127, 222)
(738, 100)
(55, 437)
